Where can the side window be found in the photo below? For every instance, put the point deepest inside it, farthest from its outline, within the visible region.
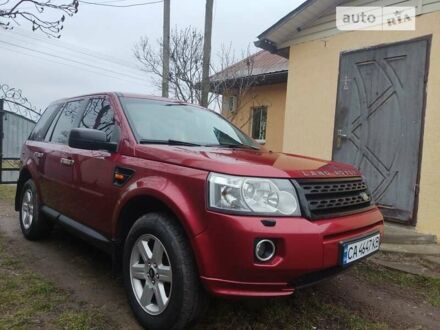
(67, 120)
(99, 115)
(40, 129)
(259, 123)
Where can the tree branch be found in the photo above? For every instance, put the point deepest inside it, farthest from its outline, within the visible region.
(50, 27)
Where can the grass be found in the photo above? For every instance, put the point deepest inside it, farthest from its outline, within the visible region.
(307, 309)
(7, 192)
(428, 287)
(29, 301)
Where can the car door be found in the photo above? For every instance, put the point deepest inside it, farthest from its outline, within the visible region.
(93, 170)
(58, 187)
(38, 147)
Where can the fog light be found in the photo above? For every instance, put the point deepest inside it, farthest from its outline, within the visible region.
(264, 250)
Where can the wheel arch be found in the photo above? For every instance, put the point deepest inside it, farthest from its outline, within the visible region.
(136, 206)
(24, 176)
(139, 204)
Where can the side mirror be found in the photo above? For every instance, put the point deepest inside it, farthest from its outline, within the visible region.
(90, 139)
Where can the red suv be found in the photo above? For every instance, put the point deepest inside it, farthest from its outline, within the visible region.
(188, 204)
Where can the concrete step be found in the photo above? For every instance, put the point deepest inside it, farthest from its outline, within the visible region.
(416, 249)
(411, 267)
(396, 234)
(433, 260)
(423, 265)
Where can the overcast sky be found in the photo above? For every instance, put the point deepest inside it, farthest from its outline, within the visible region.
(28, 62)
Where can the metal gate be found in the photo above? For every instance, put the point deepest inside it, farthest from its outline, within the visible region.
(16, 123)
(379, 121)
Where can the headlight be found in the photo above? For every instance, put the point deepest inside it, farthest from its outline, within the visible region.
(256, 196)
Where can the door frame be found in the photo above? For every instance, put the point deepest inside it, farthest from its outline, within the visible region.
(428, 39)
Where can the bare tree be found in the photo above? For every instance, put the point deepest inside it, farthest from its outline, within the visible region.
(235, 77)
(185, 72)
(186, 68)
(39, 13)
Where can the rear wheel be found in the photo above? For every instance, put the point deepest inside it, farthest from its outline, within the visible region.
(33, 224)
(160, 274)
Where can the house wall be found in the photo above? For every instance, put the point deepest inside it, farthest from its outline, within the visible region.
(311, 103)
(272, 96)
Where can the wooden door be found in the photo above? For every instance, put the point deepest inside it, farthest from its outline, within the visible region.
(379, 121)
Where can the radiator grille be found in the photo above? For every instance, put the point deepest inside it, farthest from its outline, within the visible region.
(324, 198)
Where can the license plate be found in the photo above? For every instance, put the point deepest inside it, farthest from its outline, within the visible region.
(359, 248)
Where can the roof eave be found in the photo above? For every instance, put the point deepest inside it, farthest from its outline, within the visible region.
(219, 87)
(271, 47)
(284, 19)
(284, 31)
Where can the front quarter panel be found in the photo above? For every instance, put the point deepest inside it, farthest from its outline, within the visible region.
(180, 188)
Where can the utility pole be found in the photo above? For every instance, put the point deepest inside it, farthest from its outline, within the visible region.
(166, 48)
(206, 52)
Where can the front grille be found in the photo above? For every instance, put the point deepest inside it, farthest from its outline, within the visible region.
(325, 198)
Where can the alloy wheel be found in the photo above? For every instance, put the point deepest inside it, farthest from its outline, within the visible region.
(27, 209)
(151, 274)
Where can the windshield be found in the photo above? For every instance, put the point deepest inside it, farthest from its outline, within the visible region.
(174, 123)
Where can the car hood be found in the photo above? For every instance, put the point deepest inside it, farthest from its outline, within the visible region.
(246, 162)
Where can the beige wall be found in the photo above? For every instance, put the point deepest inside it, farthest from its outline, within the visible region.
(311, 103)
(272, 96)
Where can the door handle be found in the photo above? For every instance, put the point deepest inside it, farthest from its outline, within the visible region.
(339, 136)
(67, 161)
(38, 154)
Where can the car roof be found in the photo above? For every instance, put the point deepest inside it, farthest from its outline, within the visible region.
(119, 94)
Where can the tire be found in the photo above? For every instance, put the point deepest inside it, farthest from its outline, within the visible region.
(169, 288)
(34, 225)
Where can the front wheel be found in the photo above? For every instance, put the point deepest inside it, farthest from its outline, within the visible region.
(160, 274)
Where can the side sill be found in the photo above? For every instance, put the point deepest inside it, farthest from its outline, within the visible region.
(86, 233)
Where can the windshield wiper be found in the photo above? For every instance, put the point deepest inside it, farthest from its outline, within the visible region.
(232, 145)
(169, 142)
(176, 104)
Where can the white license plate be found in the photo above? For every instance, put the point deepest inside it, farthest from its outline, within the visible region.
(360, 248)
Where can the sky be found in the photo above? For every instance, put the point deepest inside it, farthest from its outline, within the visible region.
(95, 51)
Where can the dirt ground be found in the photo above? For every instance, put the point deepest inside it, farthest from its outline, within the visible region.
(351, 299)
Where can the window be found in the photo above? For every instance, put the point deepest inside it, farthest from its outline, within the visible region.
(99, 115)
(259, 123)
(229, 104)
(161, 121)
(67, 120)
(40, 129)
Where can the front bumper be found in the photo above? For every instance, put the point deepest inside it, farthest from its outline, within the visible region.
(227, 265)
